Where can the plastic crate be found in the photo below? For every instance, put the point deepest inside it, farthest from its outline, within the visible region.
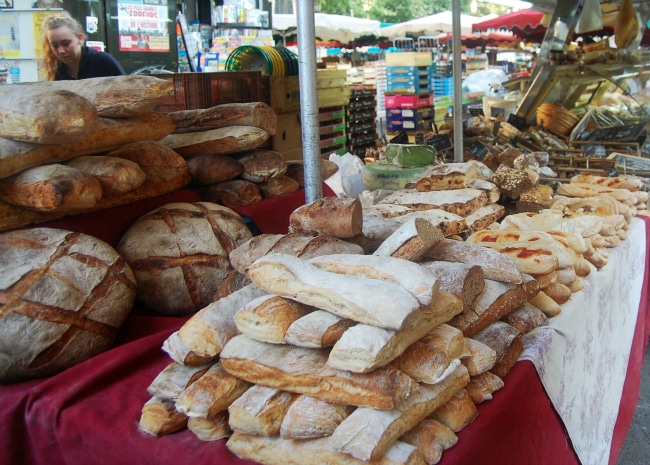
(205, 90)
(443, 86)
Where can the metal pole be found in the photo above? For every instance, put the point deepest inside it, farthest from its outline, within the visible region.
(458, 81)
(309, 100)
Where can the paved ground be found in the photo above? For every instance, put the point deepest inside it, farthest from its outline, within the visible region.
(636, 449)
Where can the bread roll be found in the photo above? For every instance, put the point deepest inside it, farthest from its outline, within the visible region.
(233, 192)
(181, 353)
(506, 342)
(212, 428)
(277, 186)
(482, 357)
(424, 363)
(448, 339)
(432, 438)
(296, 170)
(481, 387)
(174, 379)
(526, 318)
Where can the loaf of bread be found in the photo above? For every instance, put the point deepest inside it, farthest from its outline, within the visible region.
(447, 176)
(296, 170)
(260, 410)
(484, 217)
(233, 192)
(481, 387)
(31, 113)
(371, 301)
(310, 418)
(181, 353)
(417, 280)
(174, 379)
(368, 433)
(115, 175)
(212, 428)
(424, 363)
(494, 302)
(233, 281)
(212, 393)
(232, 139)
(268, 317)
(304, 371)
(482, 357)
(363, 348)
(206, 332)
(213, 169)
(340, 217)
(119, 96)
(449, 340)
(317, 329)
(505, 341)
(461, 202)
(106, 134)
(411, 240)
(52, 318)
(261, 165)
(277, 186)
(458, 412)
(301, 245)
(432, 438)
(256, 114)
(460, 279)
(496, 266)
(526, 318)
(160, 417)
(51, 188)
(275, 450)
(179, 253)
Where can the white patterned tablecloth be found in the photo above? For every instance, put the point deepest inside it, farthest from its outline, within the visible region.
(582, 355)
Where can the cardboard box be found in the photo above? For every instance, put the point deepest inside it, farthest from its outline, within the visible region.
(408, 59)
(407, 101)
(410, 113)
(285, 93)
(288, 134)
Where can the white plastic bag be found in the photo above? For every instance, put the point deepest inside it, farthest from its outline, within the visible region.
(347, 181)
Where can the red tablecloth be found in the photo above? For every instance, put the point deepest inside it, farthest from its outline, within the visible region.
(89, 413)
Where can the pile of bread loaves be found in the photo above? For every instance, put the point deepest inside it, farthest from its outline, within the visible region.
(372, 333)
(73, 147)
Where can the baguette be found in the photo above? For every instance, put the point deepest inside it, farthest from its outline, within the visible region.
(260, 410)
(278, 451)
(212, 428)
(182, 354)
(268, 317)
(417, 280)
(255, 114)
(424, 363)
(173, 380)
(304, 371)
(358, 298)
(223, 141)
(363, 348)
(458, 412)
(367, 433)
(211, 393)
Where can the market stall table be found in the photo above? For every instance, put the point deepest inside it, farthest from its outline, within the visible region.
(89, 413)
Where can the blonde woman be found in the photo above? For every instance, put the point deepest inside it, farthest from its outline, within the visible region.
(65, 55)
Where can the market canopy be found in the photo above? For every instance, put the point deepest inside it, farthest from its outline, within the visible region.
(526, 24)
(482, 40)
(429, 26)
(328, 27)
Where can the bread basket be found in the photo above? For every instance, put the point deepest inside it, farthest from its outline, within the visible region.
(556, 119)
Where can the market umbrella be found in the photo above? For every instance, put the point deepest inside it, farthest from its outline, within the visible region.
(526, 24)
(483, 39)
(429, 25)
(343, 29)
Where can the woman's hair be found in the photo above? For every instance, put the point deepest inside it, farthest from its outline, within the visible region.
(49, 62)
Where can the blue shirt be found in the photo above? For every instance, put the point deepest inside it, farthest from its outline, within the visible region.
(93, 64)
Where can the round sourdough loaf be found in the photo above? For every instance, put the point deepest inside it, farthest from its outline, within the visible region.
(63, 296)
(179, 254)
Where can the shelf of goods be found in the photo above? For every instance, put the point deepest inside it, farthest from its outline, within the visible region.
(361, 118)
